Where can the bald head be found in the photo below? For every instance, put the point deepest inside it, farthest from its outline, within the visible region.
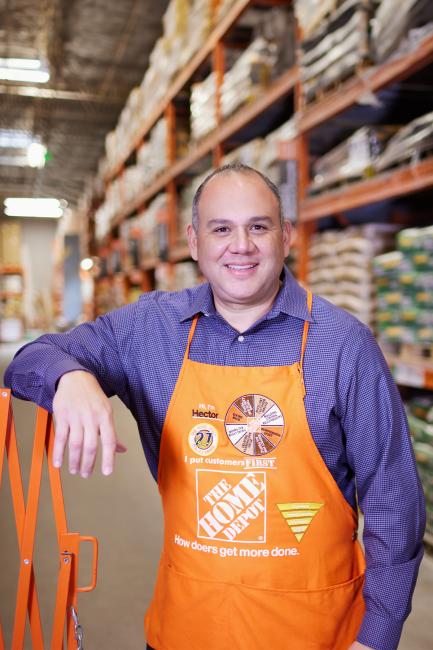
(235, 168)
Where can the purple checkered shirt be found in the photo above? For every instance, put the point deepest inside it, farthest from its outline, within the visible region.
(353, 408)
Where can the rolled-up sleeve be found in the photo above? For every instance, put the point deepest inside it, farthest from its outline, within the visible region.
(379, 451)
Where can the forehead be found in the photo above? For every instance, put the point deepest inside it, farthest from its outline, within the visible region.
(230, 188)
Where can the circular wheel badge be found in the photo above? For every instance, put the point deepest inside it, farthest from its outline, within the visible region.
(254, 424)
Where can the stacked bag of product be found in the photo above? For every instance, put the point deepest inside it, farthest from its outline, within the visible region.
(390, 26)
(148, 223)
(186, 274)
(351, 160)
(152, 160)
(337, 45)
(404, 284)
(186, 25)
(270, 53)
(152, 155)
(420, 416)
(243, 81)
(411, 143)
(202, 107)
(311, 13)
(340, 268)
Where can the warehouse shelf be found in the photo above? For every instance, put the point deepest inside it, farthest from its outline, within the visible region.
(402, 180)
(413, 372)
(11, 294)
(149, 264)
(180, 254)
(182, 78)
(370, 80)
(407, 179)
(11, 270)
(229, 127)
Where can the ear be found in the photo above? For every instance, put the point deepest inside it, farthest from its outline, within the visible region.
(192, 242)
(287, 230)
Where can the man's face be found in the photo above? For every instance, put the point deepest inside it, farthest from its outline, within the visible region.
(240, 245)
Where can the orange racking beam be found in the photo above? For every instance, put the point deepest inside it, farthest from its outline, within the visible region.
(397, 182)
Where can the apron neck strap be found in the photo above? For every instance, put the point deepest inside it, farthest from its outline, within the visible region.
(306, 327)
(190, 335)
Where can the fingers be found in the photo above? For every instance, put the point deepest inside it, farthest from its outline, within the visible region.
(76, 438)
(60, 440)
(82, 441)
(109, 443)
(90, 449)
(83, 414)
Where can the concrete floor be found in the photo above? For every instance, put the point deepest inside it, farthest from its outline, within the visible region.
(123, 512)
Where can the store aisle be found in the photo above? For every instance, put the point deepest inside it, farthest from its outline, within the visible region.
(123, 512)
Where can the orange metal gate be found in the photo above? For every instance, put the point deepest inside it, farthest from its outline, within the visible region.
(25, 520)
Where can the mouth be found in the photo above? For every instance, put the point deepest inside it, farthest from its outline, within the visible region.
(240, 267)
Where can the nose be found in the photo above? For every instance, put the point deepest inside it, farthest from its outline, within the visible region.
(241, 241)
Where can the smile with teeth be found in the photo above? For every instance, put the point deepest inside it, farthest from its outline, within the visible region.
(240, 267)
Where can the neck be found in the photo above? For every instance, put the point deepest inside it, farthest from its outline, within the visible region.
(241, 317)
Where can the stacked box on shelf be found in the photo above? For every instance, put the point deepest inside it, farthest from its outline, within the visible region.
(149, 222)
(337, 47)
(420, 417)
(404, 284)
(340, 268)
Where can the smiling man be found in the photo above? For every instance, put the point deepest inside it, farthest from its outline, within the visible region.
(260, 408)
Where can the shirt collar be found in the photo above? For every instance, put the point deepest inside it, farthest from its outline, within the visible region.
(290, 300)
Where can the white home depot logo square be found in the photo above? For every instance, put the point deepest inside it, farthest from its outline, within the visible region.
(231, 506)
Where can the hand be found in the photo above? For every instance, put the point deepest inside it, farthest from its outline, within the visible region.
(82, 413)
(360, 646)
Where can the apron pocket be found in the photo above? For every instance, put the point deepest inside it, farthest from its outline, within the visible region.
(325, 619)
(191, 614)
(187, 614)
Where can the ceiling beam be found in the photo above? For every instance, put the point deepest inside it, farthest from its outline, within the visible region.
(64, 95)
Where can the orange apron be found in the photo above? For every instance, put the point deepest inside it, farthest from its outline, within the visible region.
(260, 546)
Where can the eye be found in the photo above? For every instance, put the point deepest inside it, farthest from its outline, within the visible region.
(222, 229)
(258, 226)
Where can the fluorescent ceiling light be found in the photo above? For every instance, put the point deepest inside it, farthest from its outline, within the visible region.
(36, 153)
(29, 207)
(31, 76)
(14, 161)
(29, 70)
(86, 264)
(15, 139)
(21, 64)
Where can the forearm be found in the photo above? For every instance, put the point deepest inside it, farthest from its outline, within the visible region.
(96, 347)
(35, 371)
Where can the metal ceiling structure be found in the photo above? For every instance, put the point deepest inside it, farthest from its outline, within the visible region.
(96, 52)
